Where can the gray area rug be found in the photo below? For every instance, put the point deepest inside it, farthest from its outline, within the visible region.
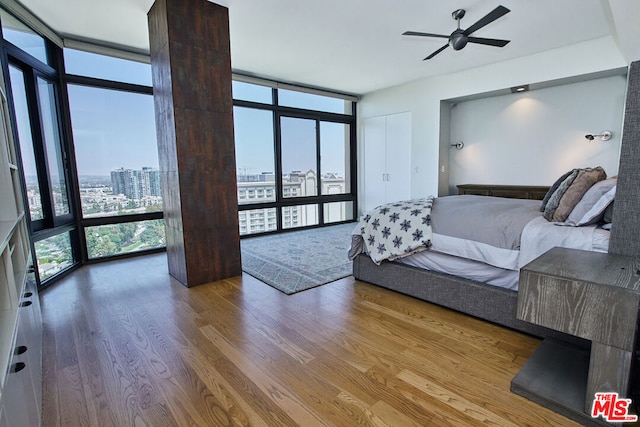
(299, 260)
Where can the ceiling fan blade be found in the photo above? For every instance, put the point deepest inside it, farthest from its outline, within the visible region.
(415, 33)
(488, 42)
(488, 18)
(437, 52)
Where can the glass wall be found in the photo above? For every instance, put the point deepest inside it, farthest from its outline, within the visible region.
(35, 98)
(116, 154)
(54, 255)
(124, 238)
(255, 155)
(52, 143)
(80, 63)
(23, 121)
(23, 37)
(299, 157)
(294, 157)
(87, 145)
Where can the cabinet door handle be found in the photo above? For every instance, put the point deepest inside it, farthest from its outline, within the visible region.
(27, 294)
(17, 367)
(25, 303)
(21, 349)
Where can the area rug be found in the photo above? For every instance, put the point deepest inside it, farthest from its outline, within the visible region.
(299, 260)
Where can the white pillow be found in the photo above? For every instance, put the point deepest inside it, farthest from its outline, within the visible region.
(590, 208)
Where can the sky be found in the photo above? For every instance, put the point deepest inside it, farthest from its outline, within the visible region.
(114, 129)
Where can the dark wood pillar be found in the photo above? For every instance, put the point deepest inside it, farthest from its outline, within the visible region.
(191, 66)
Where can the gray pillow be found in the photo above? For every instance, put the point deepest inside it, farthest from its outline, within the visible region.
(585, 179)
(553, 188)
(607, 216)
(595, 201)
(554, 200)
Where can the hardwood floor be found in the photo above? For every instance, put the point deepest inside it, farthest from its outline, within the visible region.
(126, 345)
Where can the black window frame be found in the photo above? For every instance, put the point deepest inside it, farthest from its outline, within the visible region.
(84, 223)
(50, 224)
(279, 111)
(74, 223)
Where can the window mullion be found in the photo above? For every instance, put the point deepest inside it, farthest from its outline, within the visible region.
(40, 152)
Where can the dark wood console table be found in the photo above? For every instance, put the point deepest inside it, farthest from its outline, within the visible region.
(590, 295)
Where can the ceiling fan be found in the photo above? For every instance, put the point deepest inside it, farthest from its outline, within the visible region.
(459, 38)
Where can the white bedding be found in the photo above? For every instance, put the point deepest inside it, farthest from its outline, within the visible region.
(462, 267)
(538, 237)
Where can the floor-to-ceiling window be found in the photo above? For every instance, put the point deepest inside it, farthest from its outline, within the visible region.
(33, 84)
(295, 156)
(116, 155)
(85, 129)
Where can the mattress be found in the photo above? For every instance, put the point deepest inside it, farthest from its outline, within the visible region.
(490, 242)
(587, 238)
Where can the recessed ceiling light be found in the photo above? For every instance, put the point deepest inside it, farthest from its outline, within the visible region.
(521, 88)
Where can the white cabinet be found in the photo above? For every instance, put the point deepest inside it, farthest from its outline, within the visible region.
(20, 317)
(387, 159)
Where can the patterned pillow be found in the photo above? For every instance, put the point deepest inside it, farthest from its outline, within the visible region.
(583, 181)
(554, 199)
(553, 188)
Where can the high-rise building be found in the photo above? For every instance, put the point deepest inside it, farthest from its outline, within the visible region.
(150, 182)
(136, 184)
(261, 188)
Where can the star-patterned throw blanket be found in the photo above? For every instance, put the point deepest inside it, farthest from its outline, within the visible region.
(396, 230)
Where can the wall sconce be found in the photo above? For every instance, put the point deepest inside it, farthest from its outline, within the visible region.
(605, 135)
(459, 145)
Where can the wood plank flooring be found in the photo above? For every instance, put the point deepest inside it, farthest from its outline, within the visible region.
(126, 345)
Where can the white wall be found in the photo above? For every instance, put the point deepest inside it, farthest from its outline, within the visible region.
(423, 98)
(531, 138)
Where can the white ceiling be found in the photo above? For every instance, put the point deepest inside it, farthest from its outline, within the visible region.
(352, 46)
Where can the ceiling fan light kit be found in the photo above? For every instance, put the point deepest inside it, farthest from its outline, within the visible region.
(459, 38)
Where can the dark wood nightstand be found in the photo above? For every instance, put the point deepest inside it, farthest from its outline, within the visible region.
(590, 295)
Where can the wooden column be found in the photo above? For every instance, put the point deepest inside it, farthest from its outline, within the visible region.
(191, 66)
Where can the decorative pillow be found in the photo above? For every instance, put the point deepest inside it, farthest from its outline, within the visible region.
(596, 212)
(590, 199)
(553, 188)
(607, 216)
(554, 199)
(583, 181)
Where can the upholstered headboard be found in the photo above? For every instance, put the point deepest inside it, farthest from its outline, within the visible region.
(625, 228)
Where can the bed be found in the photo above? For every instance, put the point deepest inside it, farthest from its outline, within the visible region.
(498, 304)
(467, 254)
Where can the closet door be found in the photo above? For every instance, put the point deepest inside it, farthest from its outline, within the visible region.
(398, 165)
(375, 155)
(387, 160)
